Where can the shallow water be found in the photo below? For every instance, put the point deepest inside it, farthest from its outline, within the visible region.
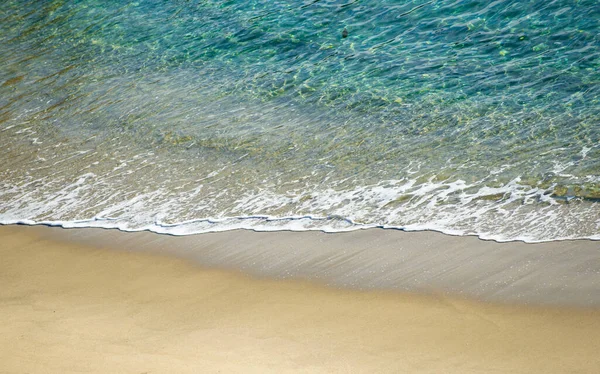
(466, 117)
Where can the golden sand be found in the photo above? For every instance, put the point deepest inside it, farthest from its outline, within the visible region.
(69, 308)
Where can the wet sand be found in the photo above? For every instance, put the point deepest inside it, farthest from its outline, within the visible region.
(71, 302)
(427, 262)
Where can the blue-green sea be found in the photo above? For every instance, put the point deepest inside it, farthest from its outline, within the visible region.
(187, 116)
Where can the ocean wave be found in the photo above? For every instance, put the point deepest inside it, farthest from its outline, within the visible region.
(470, 119)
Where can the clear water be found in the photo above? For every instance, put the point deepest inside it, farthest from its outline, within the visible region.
(468, 117)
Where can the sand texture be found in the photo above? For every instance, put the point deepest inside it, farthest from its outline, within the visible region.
(67, 307)
(427, 262)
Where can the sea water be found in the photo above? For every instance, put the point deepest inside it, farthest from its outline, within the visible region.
(188, 116)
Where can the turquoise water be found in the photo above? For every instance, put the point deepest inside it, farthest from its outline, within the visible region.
(468, 117)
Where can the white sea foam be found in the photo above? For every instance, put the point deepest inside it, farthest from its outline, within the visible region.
(453, 208)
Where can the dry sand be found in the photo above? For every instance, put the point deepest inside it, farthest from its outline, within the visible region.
(68, 307)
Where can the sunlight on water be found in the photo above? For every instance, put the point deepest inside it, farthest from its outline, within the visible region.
(466, 117)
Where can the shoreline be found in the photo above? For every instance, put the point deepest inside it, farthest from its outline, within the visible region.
(183, 229)
(71, 307)
(562, 273)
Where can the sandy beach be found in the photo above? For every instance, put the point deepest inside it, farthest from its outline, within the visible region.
(335, 186)
(70, 307)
